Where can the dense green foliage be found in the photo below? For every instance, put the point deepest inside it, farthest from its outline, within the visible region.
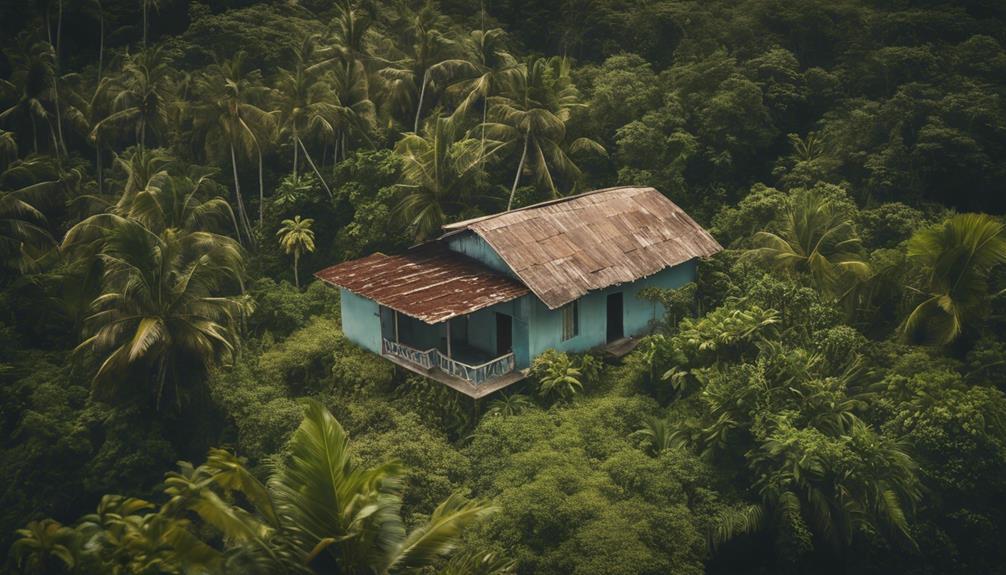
(827, 397)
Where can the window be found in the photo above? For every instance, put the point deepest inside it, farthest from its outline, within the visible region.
(570, 320)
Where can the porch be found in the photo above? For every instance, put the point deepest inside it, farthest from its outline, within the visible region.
(458, 352)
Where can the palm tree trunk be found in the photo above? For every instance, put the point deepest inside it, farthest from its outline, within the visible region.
(344, 153)
(296, 152)
(101, 39)
(162, 370)
(59, 31)
(261, 187)
(237, 192)
(97, 162)
(520, 168)
(485, 113)
(310, 161)
(61, 144)
(422, 94)
(55, 142)
(55, 80)
(34, 132)
(296, 273)
(143, 133)
(144, 2)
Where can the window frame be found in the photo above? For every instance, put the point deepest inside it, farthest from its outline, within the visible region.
(570, 320)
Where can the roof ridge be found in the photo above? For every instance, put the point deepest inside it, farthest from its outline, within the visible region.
(463, 224)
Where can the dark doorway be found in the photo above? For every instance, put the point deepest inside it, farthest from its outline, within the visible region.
(615, 327)
(504, 334)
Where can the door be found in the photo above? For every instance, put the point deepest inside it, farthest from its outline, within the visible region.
(615, 328)
(504, 334)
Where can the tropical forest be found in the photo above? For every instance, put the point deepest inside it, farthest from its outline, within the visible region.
(179, 395)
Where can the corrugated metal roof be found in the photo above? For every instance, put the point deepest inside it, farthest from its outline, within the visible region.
(564, 248)
(428, 283)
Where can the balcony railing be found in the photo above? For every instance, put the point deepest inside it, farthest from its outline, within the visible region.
(424, 359)
(430, 358)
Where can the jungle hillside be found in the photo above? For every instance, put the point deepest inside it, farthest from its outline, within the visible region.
(177, 395)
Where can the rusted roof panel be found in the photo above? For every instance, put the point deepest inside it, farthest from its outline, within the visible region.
(564, 248)
(428, 283)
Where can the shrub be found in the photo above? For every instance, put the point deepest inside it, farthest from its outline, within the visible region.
(559, 379)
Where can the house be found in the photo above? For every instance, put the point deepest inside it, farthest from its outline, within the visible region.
(473, 308)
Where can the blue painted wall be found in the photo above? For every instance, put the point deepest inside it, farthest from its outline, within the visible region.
(482, 328)
(361, 320)
(637, 319)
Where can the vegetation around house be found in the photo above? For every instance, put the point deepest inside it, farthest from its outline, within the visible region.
(826, 397)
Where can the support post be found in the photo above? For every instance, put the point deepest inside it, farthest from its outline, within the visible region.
(396, 326)
(449, 339)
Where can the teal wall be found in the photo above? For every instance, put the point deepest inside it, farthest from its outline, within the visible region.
(361, 320)
(482, 328)
(638, 314)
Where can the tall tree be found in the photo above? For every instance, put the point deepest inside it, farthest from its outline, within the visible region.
(439, 167)
(427, 62)
(143, 93)
(31, 89)
(161, 312)
(956, 256)
(306, 103)
(531, 114)
(296, 237)
(230, 123)
(486, 51)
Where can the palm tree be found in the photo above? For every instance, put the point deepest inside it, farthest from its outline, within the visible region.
(142, 96)
(21, 226)
(352, 28)
(8, 149)
(44, 545)
(227, 120)
(957, 256)
(296, 237)
(320, 508)
(140, 169)
(428, 62)
(31, 88)
(485, 49)
(182, 203)
(816, 237)
(306, 103)
(537, 100)
(353, 113)
(437, 173)
(160, 311)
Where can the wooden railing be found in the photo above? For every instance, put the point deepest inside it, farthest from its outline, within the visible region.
(430, 358)
(424, 359)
